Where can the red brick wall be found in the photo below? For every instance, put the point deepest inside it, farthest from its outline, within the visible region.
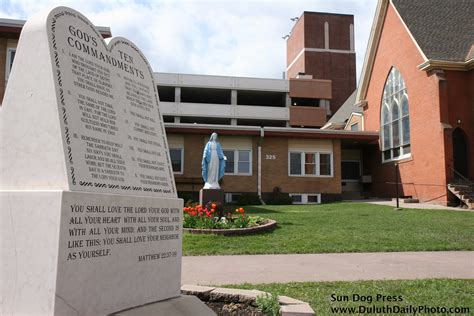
(307, 116)
(458, 111)
(296, 42)
(339, 35)
(274, 171)
(310, 88)
(338, 67)
(314, 30)
(424, 174)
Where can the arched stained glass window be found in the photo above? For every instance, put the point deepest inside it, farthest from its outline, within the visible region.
(395, 118)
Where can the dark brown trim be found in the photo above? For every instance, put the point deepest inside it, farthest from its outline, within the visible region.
(207, 130)
(361, 137)
(10, 29)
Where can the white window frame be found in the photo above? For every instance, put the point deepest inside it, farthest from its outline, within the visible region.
(361, 122)
(304, 198)
(317, 162)
(236, 162)
(356, 124)
(8, 61)
(182, 159)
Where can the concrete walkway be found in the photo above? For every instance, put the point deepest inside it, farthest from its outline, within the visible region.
(219, 270)
(413, 205)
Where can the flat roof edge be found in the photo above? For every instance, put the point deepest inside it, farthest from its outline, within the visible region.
(274, 131)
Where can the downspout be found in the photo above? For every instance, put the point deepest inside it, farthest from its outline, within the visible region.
(259, 165)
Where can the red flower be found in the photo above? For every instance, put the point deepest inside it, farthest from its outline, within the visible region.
(213, 205)
(241, 210)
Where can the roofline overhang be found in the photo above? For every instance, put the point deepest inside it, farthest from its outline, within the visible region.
(210, 128)
(314, 133)
(373, 44)
(333, 125)
(432, 64)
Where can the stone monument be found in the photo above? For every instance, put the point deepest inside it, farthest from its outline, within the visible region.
(213, 168)
(90, 219)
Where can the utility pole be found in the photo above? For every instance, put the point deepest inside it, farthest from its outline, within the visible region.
(396, 185)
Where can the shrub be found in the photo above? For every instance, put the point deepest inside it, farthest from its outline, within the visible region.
(268, 304)
(188, 197)
(279, 198)
(249, 199)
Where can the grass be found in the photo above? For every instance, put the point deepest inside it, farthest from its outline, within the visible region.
(433, 293)
(343, 227)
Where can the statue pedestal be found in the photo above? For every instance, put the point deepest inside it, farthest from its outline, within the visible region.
(214, 195)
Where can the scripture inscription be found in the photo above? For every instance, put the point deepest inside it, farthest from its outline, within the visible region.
(113, 131)
(109, 242)
(98, 230)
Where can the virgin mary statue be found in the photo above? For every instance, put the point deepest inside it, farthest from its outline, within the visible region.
(213, 163)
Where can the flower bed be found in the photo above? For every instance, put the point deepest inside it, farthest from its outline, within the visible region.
(213, 219)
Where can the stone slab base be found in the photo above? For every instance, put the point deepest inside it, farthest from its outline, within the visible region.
(45, 256)
(183, 305)
(288, 306)
(214, 195)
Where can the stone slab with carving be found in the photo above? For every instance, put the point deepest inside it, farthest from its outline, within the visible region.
(90, 219)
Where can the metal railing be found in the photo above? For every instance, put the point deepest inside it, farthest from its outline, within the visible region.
(464, 186)
(459, 179)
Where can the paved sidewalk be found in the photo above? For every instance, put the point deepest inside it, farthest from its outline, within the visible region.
(219, 270)
(421, 205)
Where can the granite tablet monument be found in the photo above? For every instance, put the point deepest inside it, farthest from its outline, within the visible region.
(91, 223)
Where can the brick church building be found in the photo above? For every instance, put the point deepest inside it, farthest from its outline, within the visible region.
(417, 91)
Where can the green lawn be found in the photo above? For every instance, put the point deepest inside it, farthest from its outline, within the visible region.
(432, 293)
(343, 227)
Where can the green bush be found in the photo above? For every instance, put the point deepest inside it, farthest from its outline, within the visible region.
(249, 199)
(189, 197)
(268, 304)
(278, 197)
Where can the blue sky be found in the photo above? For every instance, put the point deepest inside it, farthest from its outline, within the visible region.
(218, 37)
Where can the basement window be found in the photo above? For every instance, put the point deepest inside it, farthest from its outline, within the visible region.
(306, 198)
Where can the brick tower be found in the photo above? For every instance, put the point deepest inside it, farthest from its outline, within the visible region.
(322, 45)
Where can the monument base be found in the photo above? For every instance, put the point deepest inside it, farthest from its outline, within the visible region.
(208, 195)
(54, 242)
(183, 305)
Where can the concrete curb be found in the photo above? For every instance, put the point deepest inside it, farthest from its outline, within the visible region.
(288, 306)
(270, 225)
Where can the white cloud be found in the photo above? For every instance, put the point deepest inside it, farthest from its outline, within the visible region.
(238, 38)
